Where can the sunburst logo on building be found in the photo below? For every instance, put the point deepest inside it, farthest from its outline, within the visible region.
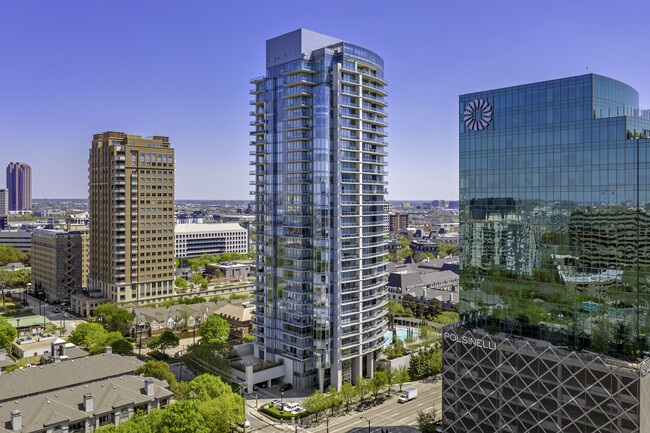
(478, 114)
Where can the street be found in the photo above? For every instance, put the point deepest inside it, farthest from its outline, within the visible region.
(44, 309)
(391, 416)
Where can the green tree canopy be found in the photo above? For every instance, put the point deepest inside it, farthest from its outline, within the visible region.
(347, 393)
(208, 386)
(184, 417)
(7, 334)
(94, 338)
(164, 341)
(223, 413)
(363, 387)
(181, 283)
(378, 381)
(8, 254)
(88, 334)
(113, 318)
(214, 330)
(158, 369)
(199, 280)
(427, 420)
(401, 376)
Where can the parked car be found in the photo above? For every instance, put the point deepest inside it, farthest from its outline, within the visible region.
(364, 406)
(379, 400)
(286, 387)
(56, 310)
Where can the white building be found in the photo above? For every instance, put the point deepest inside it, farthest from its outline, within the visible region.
(20, 239)
(194, 240)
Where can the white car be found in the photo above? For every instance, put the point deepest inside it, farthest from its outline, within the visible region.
(297, 409)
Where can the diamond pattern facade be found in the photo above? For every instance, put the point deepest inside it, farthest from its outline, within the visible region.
(513, 384)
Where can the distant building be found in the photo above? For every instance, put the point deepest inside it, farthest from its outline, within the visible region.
(425, 281)
(453, 204)
(394, 246)
(442, 204)
(232, 270)
(194, 240)
(20, 239)
(424, 245)
(398, 222)
(58, 262)
(4, 201)
(19, 184)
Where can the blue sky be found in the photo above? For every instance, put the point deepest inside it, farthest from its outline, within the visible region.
(70, 69)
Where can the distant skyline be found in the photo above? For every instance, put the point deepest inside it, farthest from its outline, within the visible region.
(182, 69)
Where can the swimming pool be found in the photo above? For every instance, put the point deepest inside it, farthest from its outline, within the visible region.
(402, 334)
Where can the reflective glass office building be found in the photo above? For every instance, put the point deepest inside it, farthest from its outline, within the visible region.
(555, 260)
(319, 153)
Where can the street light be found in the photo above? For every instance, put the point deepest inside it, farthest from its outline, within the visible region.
(281, 406)
(366, 420)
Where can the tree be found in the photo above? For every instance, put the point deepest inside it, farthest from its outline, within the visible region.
(377, 382)
(315, 403)
(363, 387)
(347, 393)
(164, 341)
(7, 334)
(181, 283)
(390, 378)
(198, 279)
(427, 363)
(8, 254)
(88, 335)
(395, 309)
(427, 421)
(158, 369)
(214, 330)
(401, 376)
(122, 346)
(184, 417)
(223, 413)
(208, 386)
(333, 397)
(406, 252)
(113, 318)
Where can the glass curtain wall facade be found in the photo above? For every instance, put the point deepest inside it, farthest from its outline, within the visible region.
(319, 235)
(554, 222)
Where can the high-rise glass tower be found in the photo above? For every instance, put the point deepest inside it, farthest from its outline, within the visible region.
(555, 265)
(320, 233)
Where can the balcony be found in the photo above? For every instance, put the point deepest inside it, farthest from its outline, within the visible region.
(258, 79)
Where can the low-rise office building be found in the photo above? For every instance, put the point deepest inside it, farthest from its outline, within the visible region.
(20, 239)
(194, 240)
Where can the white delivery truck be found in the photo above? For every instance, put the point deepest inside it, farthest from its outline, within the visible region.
(408, 394)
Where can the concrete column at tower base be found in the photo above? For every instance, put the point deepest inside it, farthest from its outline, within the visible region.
(370, 365)
(356, 369)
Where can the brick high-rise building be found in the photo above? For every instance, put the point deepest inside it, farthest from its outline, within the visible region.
(19, 184)
(398, 222)
(131, 186)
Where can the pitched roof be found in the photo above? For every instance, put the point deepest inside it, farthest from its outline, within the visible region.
(64, 374)
(66, 404)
